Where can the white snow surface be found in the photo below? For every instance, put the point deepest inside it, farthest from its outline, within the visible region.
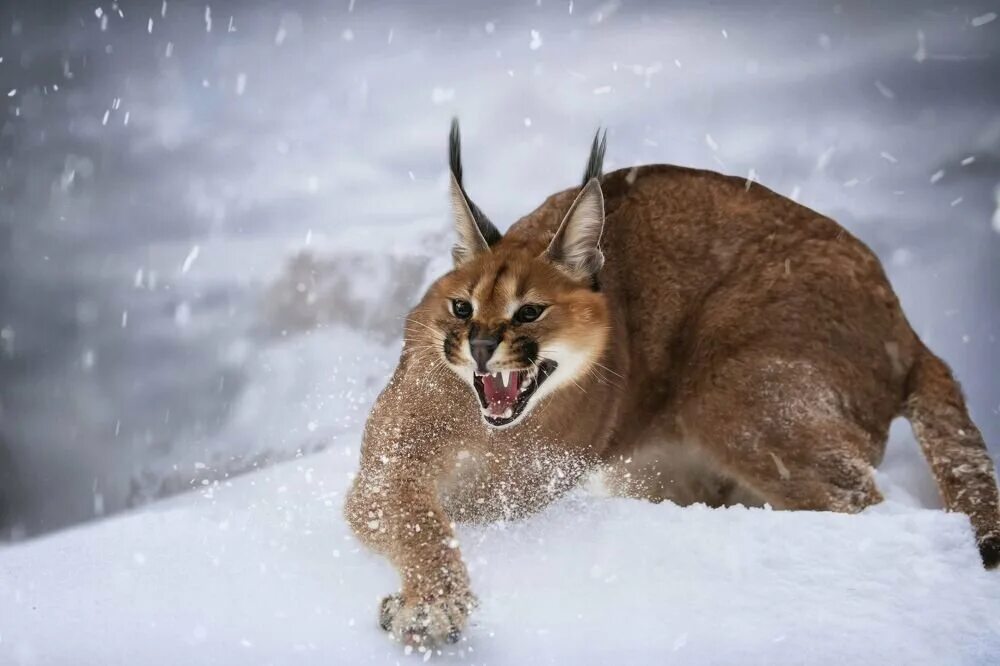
(263, 570)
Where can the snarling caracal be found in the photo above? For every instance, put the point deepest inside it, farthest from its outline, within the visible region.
(700, 339)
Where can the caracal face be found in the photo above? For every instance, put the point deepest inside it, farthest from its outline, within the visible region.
(515, 328)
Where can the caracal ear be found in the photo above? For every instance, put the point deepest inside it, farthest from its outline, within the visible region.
(475, 231)
(575, 247)
(470, 239)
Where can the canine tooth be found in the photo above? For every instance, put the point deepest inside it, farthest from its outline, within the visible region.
(505, 378)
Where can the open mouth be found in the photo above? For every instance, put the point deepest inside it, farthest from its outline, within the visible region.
(504, 395)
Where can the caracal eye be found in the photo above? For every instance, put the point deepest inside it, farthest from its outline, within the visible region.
(528, 313)
(461, 309)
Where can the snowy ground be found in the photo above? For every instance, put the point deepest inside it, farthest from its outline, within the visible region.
(262, 570)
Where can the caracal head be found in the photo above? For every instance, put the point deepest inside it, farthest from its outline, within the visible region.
(516, 324)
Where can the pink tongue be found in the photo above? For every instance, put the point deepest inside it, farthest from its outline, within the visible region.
(498, 396)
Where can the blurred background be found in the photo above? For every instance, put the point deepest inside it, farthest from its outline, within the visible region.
(213, 214)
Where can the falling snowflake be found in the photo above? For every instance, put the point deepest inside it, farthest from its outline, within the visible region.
(984, 19)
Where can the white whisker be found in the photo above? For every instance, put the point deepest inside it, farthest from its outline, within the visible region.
(604, 367)
(420, 323)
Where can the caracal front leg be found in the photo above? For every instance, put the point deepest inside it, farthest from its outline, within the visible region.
(397, 513)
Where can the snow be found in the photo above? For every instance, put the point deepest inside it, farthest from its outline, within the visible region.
(153, 338)
(263, 570)
(980, 21)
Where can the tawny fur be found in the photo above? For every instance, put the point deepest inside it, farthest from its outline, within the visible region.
(741, 348)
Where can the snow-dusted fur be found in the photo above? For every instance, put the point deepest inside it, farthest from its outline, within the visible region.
(734, 347)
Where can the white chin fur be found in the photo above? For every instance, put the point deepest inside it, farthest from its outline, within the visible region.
(573, 364)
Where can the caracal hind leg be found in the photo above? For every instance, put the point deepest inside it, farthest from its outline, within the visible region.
(781, 431)
(665, 469)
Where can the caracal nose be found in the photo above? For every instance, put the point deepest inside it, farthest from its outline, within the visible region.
(482, 348)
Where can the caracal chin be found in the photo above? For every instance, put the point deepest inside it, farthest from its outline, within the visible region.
(695, 337)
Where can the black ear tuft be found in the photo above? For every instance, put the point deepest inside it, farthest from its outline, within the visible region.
(455, 150)
(486, 228)
(595, 165)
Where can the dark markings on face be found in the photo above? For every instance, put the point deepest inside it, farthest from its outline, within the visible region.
(525, 349)
(522, 347)
(451, 342)
(496, 278)
(521, 288)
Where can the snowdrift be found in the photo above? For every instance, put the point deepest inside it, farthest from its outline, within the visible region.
(263, 570)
